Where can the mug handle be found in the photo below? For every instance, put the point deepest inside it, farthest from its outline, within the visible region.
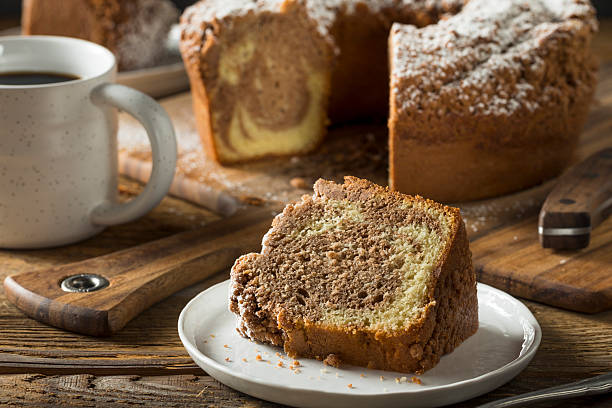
(163, 146)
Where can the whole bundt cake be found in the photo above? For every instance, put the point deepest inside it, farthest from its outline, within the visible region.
(485, 98)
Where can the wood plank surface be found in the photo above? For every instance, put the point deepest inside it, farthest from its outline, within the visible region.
(85, 371)
(145, 363)
(85, 390)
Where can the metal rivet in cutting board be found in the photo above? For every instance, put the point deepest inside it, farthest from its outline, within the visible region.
(84, 282)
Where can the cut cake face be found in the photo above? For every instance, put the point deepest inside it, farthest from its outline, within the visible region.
(261, 79)
(374, 277)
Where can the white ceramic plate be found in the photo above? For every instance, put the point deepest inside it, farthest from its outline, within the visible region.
(506, 341)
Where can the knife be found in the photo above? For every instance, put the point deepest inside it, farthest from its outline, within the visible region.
(579, 202)
(99, 296)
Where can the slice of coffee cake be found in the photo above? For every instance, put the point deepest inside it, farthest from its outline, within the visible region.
(377, 278)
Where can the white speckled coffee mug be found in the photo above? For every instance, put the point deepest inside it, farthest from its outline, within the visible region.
(58, 144)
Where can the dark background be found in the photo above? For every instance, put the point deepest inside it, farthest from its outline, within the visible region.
(10, 8)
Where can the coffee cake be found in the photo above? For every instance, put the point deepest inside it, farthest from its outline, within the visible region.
(374, 277)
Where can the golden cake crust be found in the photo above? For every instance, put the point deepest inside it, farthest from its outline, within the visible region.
(449, 316)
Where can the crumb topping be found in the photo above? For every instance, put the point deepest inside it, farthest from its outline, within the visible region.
(487, 58)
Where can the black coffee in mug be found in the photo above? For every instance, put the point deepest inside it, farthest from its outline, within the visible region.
(34, 78)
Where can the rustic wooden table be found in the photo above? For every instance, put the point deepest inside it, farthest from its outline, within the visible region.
(145, 364)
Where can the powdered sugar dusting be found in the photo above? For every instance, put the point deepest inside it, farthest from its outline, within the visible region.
(483, 60)
(143, 36)
(198, 18)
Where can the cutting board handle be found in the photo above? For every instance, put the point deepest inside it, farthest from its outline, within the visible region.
(137, 277)
(580, 201)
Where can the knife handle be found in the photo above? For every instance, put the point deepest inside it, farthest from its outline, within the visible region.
(134, 278)
(581, 200)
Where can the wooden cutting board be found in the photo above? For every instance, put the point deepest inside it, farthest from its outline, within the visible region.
(503, 231)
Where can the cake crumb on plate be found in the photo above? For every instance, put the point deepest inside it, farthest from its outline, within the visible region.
(332, 360)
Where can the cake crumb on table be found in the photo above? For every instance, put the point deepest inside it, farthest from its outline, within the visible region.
(298, 182)
(250, 200)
